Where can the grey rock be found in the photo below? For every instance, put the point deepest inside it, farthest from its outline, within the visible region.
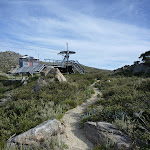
(9, 59)
(46, 71)
(39, 84)
(101, 133)
(59, 76)
(38, 134)
(55, 74)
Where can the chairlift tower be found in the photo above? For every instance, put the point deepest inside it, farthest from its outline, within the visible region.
(66, 54)
(66, 65)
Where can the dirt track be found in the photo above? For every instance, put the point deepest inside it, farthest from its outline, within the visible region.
(76, 139)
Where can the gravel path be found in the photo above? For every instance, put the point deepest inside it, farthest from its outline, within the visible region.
(76, 139)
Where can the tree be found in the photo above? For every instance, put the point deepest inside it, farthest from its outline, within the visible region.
(136, 62)
(145, 57)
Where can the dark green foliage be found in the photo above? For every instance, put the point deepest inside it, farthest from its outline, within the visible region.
(145, 57)
(7, 85)
(3, 77)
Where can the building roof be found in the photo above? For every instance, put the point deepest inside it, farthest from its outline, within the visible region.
(28, 57)
(65, 52)
(31, 69)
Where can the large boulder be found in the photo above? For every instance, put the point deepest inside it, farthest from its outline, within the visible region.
(36, 135)
(39, 84)
(101, 133)
(46, 71)
(58, 75)
(55, 74)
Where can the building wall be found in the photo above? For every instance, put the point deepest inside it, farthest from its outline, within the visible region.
(23, 62)
(20, 63)
(30, 63)
(35, 63)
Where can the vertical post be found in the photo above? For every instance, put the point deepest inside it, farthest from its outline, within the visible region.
(38, 59)
(67, 56)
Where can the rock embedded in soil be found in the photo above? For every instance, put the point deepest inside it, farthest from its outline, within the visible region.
(101, 133)
(39, 84)
(57, 75)
(37, 134)
(46, 71)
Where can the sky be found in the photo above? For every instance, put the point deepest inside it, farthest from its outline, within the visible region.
(105, 34)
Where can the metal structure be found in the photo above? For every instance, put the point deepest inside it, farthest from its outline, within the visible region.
(66, 65)
(31, 69)
(29, 65)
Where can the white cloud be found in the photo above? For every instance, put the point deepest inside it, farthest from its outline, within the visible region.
(99, 42)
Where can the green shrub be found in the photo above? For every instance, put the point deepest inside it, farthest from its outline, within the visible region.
(3, 77)
(123, 97)
(71, 103)
(28, 108)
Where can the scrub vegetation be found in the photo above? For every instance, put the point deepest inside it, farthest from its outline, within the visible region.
(125, 102)
(28, 108)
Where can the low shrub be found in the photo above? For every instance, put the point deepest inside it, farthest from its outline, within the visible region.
(125, 103)
(28, 108)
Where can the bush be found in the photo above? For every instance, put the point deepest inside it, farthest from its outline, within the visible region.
(123, 97)
(28, 108)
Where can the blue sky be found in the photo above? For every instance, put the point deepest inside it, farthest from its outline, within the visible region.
(106, 34)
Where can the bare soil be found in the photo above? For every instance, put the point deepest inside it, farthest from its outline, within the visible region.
(76, 139)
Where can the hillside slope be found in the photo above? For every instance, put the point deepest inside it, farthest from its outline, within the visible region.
(8, 59)
(139, 68)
